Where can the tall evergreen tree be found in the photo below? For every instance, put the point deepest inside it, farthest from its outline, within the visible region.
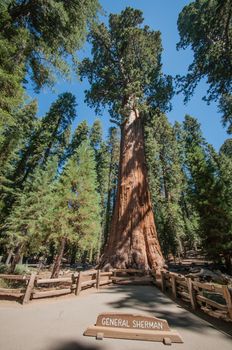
(81, 134)
(208, 187)
(38, 39)
(77, 206)
(54, 31)
(165, 180)
(189, 212)
(125, 74)
(26, 229)
(206, 26)
(96, 134)
(15, 138)
(51, 138)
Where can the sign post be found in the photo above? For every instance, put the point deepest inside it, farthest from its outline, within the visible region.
(135, 327)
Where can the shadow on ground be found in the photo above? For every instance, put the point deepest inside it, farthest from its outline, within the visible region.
(73, 345)
(152, 301)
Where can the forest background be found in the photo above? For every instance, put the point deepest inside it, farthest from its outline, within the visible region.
(57, 158)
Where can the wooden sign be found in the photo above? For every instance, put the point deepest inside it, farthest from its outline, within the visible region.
(136, 327)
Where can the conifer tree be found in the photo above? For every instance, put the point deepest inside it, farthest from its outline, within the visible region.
(114, 149)
(26, 229)
(206, 26)
(15, 139)
(77, 206)
(12, 71)
(95, 135)
(165, 180)
(210, 192)
(81, 134)
(38, 39)
(50, 139)
(125, 75)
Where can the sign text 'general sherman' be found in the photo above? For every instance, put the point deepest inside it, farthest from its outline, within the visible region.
(129, 326)
(131, 323)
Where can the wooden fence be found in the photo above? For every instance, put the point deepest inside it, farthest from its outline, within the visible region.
(35, 287)
(213, 299)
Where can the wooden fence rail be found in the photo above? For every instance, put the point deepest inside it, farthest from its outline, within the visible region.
(213, 299)
(35, 287)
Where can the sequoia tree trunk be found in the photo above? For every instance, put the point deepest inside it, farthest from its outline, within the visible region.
(133, 241)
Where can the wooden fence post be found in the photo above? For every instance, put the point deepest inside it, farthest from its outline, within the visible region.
(29, 288)
(98, 279)
(192, 293)
(228, 299)
(72, 282)
(78, 286)
(163, 284)
(173, 283)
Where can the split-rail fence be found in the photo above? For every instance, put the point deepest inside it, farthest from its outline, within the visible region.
(214, 299)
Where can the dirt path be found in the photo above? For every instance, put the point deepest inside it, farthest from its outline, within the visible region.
(59, 324)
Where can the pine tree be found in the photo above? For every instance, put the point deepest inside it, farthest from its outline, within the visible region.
(12, 71)
(25, 229)
(165, 180)
(15, 138)
(38, 40)
(209, 189)
(96, 134)
(81, 134)
(206, 26)
(88, 212)
(189, 212)
(50, 139)
(51, 40)
(77, 206)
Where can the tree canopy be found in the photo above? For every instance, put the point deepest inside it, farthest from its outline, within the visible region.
(125, 64)
(206, 26)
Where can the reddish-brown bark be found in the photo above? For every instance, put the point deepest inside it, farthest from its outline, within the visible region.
(133, 240)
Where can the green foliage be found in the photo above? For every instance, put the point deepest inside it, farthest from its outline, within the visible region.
(81, 134)
(51, 137)
(12, 69)
(113, 146)
(16, 136)
(209, 186)
(96, 134)
(3, 268)
(22, 270)
(88, 199)
(78, 200)
(126, 65)
(53, 32)
(27, 226)
(226, 148)
(206, 26)
(165, 181)
(38, 40)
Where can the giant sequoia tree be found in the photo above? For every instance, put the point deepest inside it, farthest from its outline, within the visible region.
(125, 74)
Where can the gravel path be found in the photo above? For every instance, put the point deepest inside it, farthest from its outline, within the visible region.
(59, 324)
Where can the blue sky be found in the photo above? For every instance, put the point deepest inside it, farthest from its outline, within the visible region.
(159, 15)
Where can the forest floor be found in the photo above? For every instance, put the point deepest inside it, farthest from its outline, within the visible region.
(58, 324)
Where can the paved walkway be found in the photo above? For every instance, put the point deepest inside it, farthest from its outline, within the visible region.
(59, 324)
